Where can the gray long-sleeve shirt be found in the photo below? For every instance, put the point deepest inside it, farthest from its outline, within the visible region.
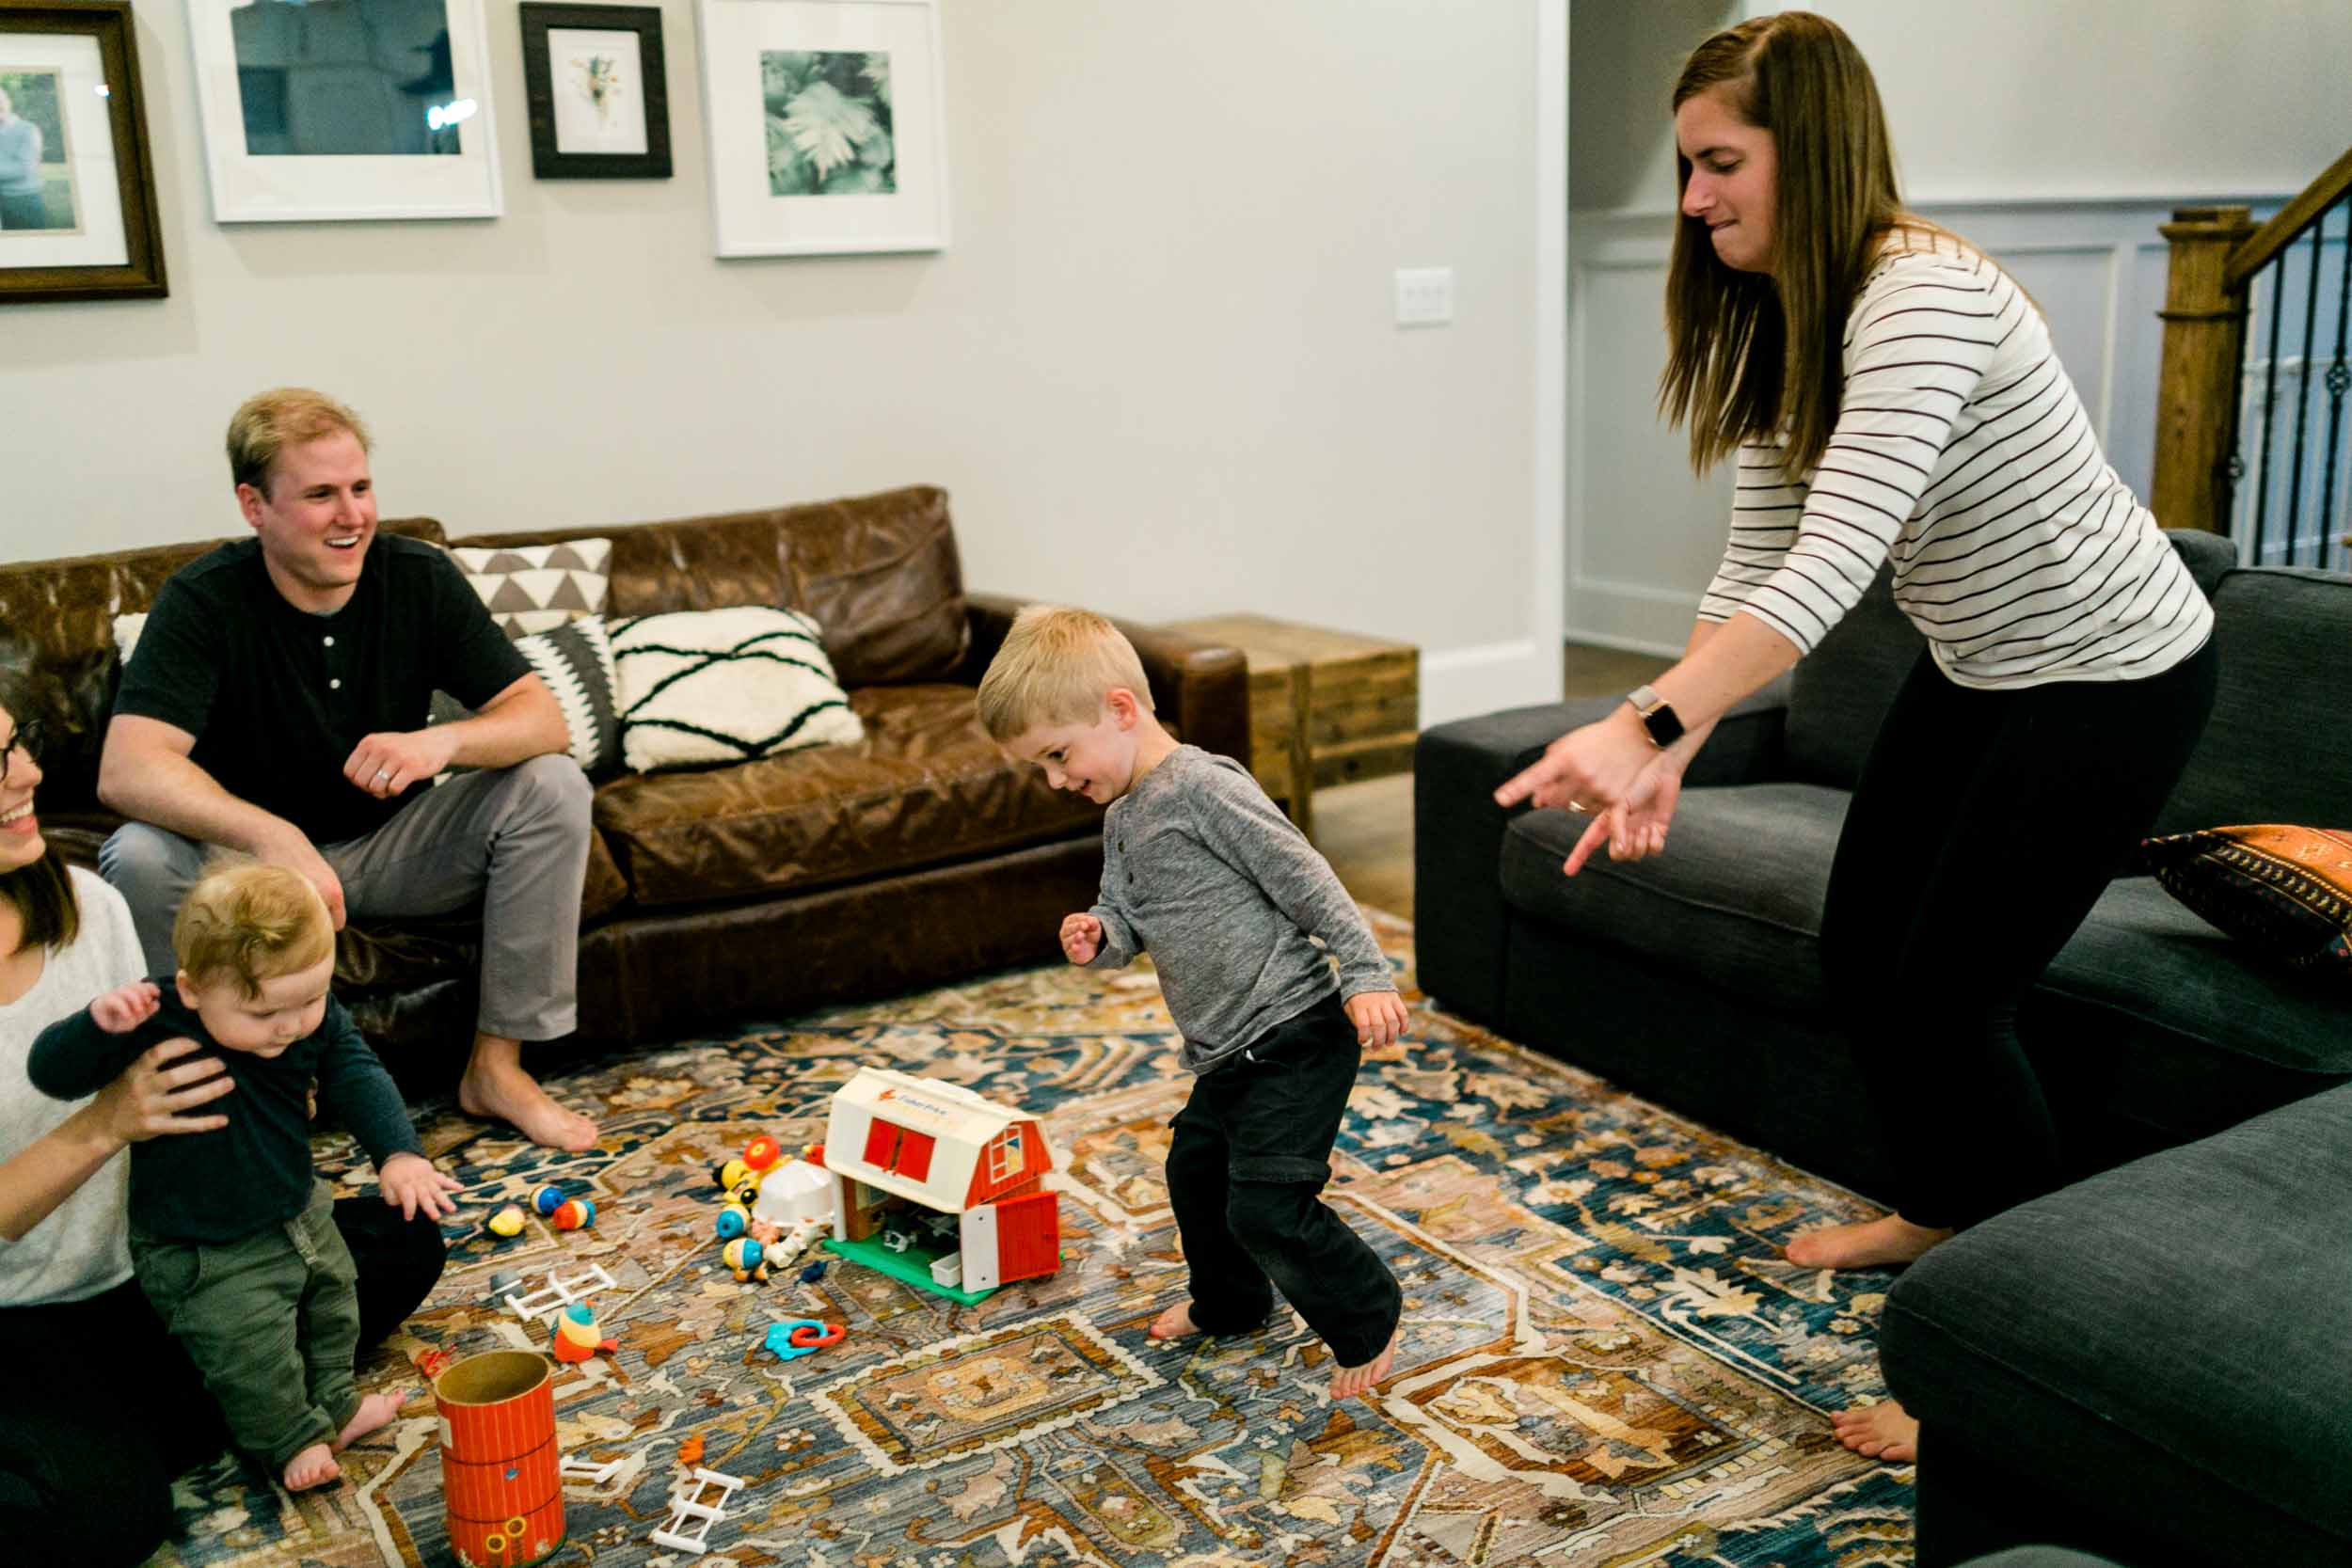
(1202, 872)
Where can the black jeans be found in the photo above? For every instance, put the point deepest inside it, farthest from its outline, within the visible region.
(99, 1409)
(1985, 826)
(1252, 1148)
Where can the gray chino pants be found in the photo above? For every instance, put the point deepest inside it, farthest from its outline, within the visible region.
(516, 839)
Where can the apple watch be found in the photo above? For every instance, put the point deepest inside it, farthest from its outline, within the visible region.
(1656, 714)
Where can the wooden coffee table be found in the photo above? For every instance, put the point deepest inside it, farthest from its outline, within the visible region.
(1326, 706)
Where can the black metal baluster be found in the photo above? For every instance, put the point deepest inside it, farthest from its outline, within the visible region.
(2270, 400)
(2339, 381)
(2303, 404)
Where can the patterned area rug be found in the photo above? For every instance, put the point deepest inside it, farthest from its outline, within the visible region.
(1606, 1361)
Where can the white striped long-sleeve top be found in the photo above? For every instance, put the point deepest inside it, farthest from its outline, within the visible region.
(1962, 454)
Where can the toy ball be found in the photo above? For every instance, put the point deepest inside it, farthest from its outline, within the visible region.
(507, 1221)
(761, 1152)
(733, 1221)
(574, 1215)
(548, 1199)
(733, 1175)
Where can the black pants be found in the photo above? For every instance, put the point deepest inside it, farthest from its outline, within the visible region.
(99, 1409)
(1252, 1148)
(1985, 826)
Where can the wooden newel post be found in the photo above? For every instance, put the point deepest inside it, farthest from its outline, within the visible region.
(2204, 334)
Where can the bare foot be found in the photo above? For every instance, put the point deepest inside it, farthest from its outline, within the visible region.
(1351, 1381)
(504, 1092)
(1880, 1243)
(373, 1412)
(1174, 1323)
(1882, 1431)
(313, 1466)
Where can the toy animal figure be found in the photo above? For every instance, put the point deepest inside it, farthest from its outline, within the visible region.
(577, 1336)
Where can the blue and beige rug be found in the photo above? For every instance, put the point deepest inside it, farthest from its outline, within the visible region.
(1605, 1360)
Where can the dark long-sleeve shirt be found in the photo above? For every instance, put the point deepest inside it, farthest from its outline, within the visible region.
(255, 1173)
(1199, 870)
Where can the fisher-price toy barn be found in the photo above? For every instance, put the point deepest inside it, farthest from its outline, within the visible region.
(918, 1161)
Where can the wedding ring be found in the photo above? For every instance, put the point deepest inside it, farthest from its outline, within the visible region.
(1578, 806)
(383, 774)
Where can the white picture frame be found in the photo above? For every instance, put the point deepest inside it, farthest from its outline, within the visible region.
(806, 175)
(272, 186)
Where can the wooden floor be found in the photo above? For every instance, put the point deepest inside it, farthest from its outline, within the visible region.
(1366, 830)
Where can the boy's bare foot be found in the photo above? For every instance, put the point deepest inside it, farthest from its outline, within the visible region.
(313, 1466)
(1880, 1243)
(1351, 1380)
(1174, 1323)
(1882, 1431)
(374, 1411)
(502, 1092)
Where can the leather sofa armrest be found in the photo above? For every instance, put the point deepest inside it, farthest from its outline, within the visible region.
(1461, 924)
(1200, 688)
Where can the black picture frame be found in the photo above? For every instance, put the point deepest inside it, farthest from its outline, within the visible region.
(547, 162)
(141, 275)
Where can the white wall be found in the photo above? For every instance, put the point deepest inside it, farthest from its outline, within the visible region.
(2058, 148)
(1156, 367)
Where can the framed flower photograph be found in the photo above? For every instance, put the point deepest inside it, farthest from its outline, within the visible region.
(598, 93)
(77, 181)
(319, 110)
(826, 126)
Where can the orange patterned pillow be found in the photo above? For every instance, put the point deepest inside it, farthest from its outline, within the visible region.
(2284, 890)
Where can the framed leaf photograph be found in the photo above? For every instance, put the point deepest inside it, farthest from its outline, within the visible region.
(78, 218)
(826, 126)
(598, 90)
(345, 109)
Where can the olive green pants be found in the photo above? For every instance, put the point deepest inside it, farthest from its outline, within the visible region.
(272, 1321)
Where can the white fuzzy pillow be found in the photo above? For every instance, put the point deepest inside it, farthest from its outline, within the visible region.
(712, 686)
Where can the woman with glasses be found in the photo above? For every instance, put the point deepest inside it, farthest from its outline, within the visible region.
(100, 1409)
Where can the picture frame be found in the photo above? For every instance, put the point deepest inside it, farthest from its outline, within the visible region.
(825, 126)
(596, 86)
(78, 216)
(329, 113)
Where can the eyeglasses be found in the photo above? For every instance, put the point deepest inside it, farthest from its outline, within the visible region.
(27, 739)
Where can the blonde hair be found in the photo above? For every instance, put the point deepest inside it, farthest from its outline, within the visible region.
(269, 423)
(1758, 355)
(1057, 665)
(251, 921)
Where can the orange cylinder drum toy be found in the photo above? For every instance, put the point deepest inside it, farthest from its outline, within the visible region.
(498, 1462)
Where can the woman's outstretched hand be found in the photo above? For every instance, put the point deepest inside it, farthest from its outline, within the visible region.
(155, 1093)
(1634, 828)
(1587, 769)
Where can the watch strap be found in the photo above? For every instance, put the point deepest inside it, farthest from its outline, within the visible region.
(1656, 714)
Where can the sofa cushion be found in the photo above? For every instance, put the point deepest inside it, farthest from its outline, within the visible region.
(2170, 1337)
(2277, 748)
(925, 785)
(2140, 953)
(1737, 895)
(880, 574)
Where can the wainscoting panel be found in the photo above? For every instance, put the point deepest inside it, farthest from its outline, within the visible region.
(1644, 534)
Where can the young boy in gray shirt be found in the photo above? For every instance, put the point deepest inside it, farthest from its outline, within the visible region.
(1224, 892)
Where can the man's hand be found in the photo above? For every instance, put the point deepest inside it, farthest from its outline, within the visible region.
(386, 764)
(291, 850)
(125, 1007)
(410, 1183)
(1081, 938)
(1378, 1016)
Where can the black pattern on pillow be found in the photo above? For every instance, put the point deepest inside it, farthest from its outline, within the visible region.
(717, 686)
(529, 589)
(575, 659)
(2285, 891)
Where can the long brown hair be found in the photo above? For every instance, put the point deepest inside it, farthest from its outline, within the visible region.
(1756, 354)
(41, 893)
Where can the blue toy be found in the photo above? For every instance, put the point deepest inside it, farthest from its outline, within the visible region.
(794, 1338)
(548, 1200)
(814, 1272)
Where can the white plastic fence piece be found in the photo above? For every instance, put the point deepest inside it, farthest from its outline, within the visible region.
(587, 1471)
(687, 1504)
(559, 1293)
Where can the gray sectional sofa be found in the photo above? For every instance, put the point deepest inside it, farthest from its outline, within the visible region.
(1694, 979)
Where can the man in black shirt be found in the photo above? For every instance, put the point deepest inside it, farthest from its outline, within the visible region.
(276, 703)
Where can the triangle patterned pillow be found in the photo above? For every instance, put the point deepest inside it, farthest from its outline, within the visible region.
(535, 588)
(717, 686)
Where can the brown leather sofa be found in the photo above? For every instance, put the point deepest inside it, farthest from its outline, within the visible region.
(754, 890)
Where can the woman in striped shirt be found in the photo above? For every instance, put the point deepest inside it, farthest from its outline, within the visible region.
(1891, 399)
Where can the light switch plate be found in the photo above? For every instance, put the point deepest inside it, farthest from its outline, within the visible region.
(1424, 296)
